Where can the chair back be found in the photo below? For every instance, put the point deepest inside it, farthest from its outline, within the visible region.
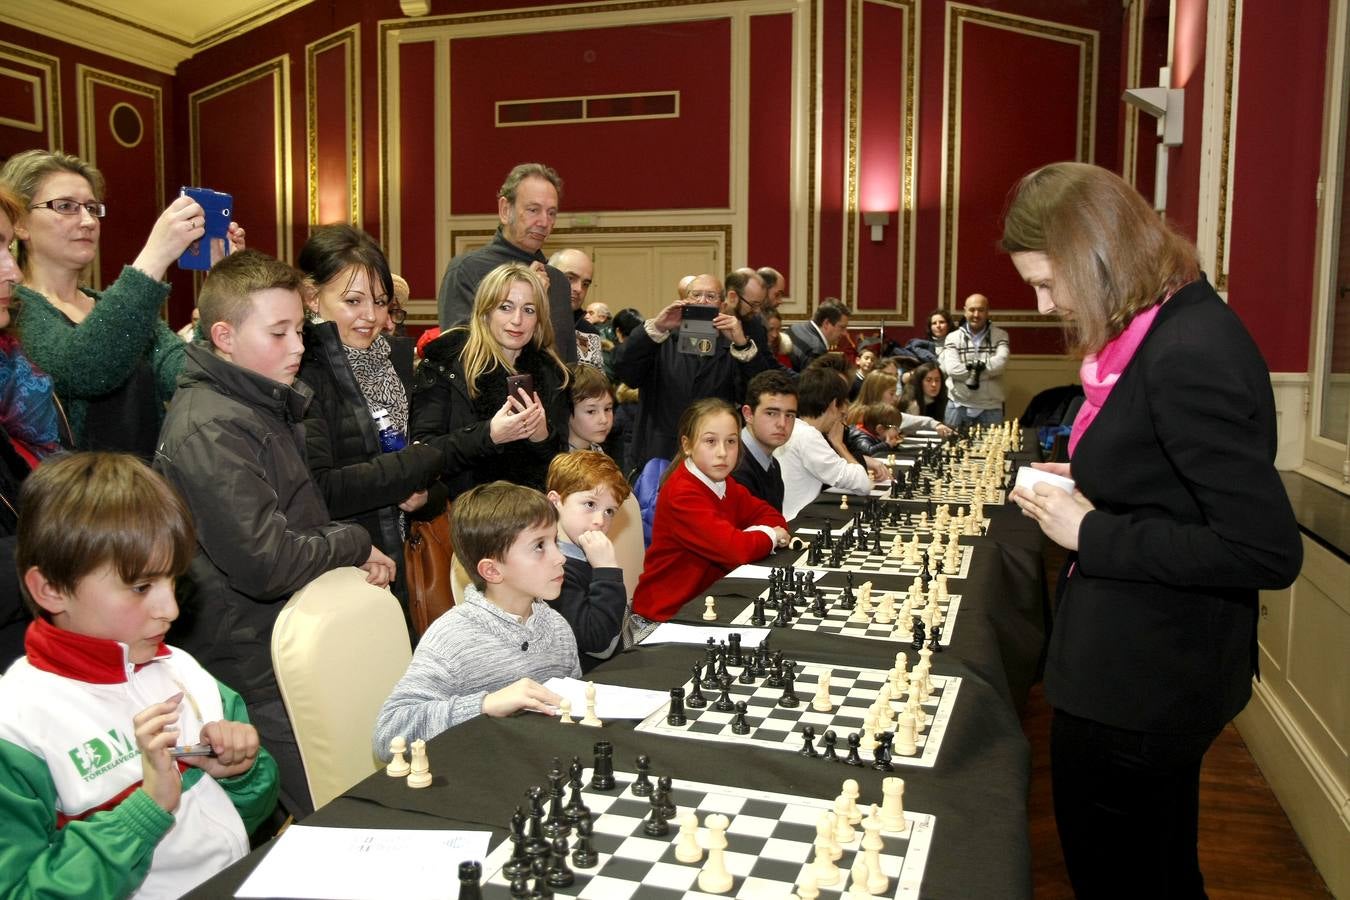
(459, 578)
(338, 647)
(647, 488)
(626, 534)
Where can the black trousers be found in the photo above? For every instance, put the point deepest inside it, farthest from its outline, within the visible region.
(1127, 804)
(274, 732)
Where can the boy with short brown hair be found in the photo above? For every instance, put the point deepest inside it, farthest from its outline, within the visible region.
(91, 801)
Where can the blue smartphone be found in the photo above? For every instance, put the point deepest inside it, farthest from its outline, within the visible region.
(213, 246)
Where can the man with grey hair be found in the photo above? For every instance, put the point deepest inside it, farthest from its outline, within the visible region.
(527, 207)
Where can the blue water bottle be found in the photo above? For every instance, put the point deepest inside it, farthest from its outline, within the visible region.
(391, 438)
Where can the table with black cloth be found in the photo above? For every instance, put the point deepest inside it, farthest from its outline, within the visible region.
(977, 789)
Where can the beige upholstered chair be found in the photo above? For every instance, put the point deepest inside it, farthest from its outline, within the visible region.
(626, 535)
(458, 579)
(338, 647)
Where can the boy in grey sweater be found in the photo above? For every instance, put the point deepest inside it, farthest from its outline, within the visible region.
(490, 653)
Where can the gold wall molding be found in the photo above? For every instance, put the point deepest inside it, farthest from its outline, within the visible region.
(1228, 130)
(51, 102)
(348, 42)
(278, 72)
(1134, 64)
(958, 16)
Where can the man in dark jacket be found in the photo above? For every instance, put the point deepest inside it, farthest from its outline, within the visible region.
(527, 206)
(233, 447)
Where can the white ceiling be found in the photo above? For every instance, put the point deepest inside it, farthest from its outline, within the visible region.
(192, 22)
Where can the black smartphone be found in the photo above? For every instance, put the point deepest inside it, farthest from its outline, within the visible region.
(516, 383)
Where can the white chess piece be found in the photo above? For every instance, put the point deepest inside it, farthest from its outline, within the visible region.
(877, 882)
(687, 849)
(885, 613)
(565, 712)
(892, 805)
(709, 610)
(850, 790)
(821, 702)
(591, 718)
(906, 740)
(843, 501)
(857, 889)
(825, 826)
(843, 831)
(398, 766)
(822, 866)
(714, 877)
(807, 887)
(419, 775)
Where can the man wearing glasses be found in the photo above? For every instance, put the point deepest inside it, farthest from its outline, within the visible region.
(527, 206)
(670, 376)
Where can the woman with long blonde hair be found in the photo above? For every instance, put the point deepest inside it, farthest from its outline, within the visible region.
(462, 384)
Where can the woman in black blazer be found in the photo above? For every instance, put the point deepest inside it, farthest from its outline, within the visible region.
(1178, 519)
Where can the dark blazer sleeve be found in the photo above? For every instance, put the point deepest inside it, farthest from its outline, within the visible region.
(593, 602)
(385, 480)
(635, 359)
(1208, 399)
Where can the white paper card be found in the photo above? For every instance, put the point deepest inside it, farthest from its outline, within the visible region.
(611, 700)
(1027, 476)
(677, 633)
(363, 863)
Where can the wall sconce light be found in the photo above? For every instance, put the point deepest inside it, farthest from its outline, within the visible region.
(1168, 106)
(878, 222)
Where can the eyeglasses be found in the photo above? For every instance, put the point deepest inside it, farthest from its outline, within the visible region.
(705, 296)
(67, 207)
(397, 314)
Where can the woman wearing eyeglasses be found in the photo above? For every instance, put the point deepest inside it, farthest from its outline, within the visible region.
(112, 359)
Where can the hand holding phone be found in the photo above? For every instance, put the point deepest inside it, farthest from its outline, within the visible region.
(214, 244)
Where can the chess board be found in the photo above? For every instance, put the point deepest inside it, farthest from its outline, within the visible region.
(852, 691)
(962, 497)
(836, 619)
(864, 562)
(770, 844)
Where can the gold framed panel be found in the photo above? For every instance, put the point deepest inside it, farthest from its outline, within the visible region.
(348, 42)
(50, 66)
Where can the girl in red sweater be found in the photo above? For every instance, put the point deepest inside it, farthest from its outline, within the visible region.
(706, 523)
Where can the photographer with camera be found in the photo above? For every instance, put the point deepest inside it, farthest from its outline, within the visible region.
(974, 357)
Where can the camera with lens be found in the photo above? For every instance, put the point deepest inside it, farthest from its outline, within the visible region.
(973, 379)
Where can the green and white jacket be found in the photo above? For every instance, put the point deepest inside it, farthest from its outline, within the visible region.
(73, 820)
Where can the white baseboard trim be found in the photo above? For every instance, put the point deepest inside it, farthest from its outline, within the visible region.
(1317, 805)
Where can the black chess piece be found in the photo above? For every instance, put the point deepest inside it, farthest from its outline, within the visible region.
(829, 739)
(535, 842)
(655, 825)
(738, 723)
(576, 806)
(775, 676)
(935, 639)
(724, 702)
(721, 661)
(539, 871)
(602, 776)
(809, 743)
(676, 715)
(853, 758)
(559, 875)
(696, 700)
(747, 675)
(818, 606)
(709, 667)
(783, 618)
(519, 863)
(918, 642)
(757, 613)
(881, 754)
(642, 785)
(583, 854)
(734, 657)
(556, 823)
(470, 877)
(761, 667)
(665, 785)
(520, 886)
(789, 700)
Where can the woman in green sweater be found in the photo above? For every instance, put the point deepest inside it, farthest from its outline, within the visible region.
(113, 360)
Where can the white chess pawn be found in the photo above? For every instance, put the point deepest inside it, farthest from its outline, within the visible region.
(843, 501)
(565, 712)
(851, 791)
(398, 766)
(709, 612)
(419, 775)
(906, 741)
(897, 547)
(821, 702)
(843, 831)
(714, 877)
(591, 718)
(807, 887)
(687, 849)
(857, 889)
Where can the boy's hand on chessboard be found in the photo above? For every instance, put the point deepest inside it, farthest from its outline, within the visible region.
(155, 734)
(235, 745)
(524, 694)
(599, 550)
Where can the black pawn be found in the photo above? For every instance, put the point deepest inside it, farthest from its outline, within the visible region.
(470, 875)
(539, 871)
(642, 785)
(761, 667)
(602, 777)
(724, 702)
(830, 739)
(738, 723)
(559, 875)
(583, 854)
(655, 825)
(757, 614)
(935, 639)
(696, 700)
(520, 886)
(676, 714)
(853, 759)
(789, 700)
(747, 675)
(666, 786)
(809, 742)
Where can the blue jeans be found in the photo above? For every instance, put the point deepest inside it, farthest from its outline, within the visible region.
(958, 415)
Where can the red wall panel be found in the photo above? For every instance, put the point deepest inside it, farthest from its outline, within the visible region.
(834, 85)
(769, 216)
(332, 176)
(690, 152)
(417, 161)
(242, 162)
(881, 117)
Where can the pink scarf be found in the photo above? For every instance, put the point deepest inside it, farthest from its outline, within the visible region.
(1100, 371)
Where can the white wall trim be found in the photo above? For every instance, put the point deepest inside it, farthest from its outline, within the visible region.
(1291, 391)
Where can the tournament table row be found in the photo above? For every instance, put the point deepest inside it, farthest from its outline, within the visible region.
(977, 789)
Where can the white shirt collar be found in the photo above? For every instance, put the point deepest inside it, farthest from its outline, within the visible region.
(717, 487)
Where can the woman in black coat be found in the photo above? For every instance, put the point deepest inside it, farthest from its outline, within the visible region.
(1177, 520)
(461, 386)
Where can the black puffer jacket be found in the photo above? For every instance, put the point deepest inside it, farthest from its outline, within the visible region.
(442, 405)
(358, 481)
(233, 446)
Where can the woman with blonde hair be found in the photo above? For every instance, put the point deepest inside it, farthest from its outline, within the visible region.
(1177, 519)
(462, 384)
(113, 360)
